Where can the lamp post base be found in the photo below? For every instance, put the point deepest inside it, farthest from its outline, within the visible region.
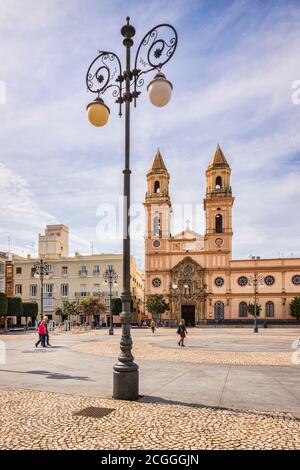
(255, 329)
(126, 383)
(110, 331)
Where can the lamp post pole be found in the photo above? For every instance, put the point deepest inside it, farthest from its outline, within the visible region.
(256, 281)
(255, 306)
(110, 277)
(41, 271)
(105, 72)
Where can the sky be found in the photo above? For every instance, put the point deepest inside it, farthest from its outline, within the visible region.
(233, 75)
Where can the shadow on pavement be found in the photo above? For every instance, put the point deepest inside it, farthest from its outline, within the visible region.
(152, 399)
(51, 375)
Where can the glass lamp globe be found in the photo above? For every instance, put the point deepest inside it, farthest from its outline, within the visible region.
(174, 286)
(160, 90)
(46, 276)
(98, 112)
(36, 275)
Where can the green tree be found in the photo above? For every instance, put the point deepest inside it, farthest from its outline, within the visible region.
(69, 310)
(3, 309)
(295, 307)
(15, 307)
(116, 305)
(250, 309)
(93, 306)
(156, 305)
(30, 310)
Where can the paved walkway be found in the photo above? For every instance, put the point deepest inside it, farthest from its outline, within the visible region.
(214, 369)
(41, 420)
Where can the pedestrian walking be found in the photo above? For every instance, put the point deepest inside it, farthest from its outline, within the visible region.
(182, 332)
(46, 320)
(153, 326)
(42, 334)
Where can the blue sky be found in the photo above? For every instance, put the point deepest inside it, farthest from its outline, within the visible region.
(232, 76)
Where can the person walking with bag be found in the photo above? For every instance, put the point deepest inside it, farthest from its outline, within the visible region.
(182, 332)
(46, 320)
(153, 326)
(42, 331)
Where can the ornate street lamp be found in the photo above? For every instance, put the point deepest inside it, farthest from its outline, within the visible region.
(256, 281)
(105, 72)
(110, 278)
(41, 271)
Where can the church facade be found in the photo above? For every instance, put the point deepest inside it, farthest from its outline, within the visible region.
(196, 273)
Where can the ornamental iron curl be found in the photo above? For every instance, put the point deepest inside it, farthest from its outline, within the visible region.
(154, 51)
(105, 72)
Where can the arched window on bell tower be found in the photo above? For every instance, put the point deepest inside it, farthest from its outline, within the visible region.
(156, 226)
(219, 223)
(157, 187)
(218, 183)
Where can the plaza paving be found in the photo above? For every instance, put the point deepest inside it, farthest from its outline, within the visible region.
(228, 388)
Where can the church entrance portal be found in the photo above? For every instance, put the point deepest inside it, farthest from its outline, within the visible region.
(188, 314)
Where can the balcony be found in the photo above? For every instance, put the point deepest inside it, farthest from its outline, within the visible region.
(82, 294)
(83, 273)
(48, 295)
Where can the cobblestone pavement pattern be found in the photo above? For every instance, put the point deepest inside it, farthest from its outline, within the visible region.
(42, 420)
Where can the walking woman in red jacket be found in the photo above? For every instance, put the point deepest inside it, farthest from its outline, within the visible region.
(42, 331)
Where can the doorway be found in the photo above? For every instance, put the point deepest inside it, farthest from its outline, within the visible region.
(188, 314)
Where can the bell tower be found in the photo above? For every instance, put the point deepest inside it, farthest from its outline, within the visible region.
(218, 204)
(158, 209)
(157, 201)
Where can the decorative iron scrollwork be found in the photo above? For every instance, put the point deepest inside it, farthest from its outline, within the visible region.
(105, 72)
(155, 50)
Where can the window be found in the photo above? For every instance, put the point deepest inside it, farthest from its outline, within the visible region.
(18, 270)
(83, 290)
(48, 290)
(269, 280)
(242, 281)
(18, 289)
(157, 187)
(64, 290)
(96, 289)
(83, 271)
(33, 290)
(156, 227)
(32, 272)
(270, 310)
(218, 182)
(64, 270)
(1, 268)
(219, 223)
(219, 281)
(49, 270)
(219, 311)
(243, 310)
(96, 269)
(156, 282)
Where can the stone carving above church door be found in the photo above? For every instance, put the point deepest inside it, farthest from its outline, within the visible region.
(188, 288)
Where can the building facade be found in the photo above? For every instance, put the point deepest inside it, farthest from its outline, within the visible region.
(196, 273)
(3, 258)
(72, 278)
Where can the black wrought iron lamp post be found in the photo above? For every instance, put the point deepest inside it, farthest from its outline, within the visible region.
(110, 278)
(255, 281)
(105, 72)
(41, 271)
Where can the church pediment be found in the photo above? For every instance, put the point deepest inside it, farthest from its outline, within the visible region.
(188, 235)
